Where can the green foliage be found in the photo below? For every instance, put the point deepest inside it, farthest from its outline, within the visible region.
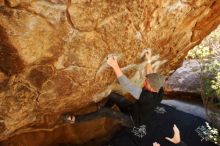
(213, 134)
(216, 84)
(200, 52)
(208, 56)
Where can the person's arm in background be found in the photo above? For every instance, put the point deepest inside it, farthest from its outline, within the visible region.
(123, 80)
(176, 138)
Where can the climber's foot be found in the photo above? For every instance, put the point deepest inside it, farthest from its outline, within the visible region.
(69, 118)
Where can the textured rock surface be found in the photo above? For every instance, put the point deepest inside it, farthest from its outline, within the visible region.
(67, 134)
(53, 53)
(185, 81)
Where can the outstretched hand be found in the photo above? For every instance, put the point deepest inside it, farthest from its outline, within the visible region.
(112, 61)
(176, 138)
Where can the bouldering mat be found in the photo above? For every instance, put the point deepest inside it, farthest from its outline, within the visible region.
(160, 126)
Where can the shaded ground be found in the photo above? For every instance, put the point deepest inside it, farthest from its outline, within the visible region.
(193, 107)
(188, 115)
(160, 126)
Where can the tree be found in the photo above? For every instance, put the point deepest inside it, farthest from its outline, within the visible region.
(208, 56)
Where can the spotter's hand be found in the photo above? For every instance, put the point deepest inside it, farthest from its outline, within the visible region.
(176, 138)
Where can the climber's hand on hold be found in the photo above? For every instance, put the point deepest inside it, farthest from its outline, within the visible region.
(112, 61)
(148, 55)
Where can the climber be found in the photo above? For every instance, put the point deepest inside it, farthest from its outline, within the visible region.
(147, 98)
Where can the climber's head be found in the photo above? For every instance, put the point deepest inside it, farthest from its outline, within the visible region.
(153, 82)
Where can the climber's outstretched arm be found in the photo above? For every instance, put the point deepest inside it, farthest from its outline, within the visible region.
(147, 57)
(123, 80)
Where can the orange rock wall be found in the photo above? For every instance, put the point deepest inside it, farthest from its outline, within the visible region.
(53, 53)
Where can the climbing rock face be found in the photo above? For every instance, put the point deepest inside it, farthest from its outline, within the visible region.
(53, 53)
(185, 81)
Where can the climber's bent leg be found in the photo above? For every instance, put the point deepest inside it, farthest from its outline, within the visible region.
(119, 100)
(123, 119)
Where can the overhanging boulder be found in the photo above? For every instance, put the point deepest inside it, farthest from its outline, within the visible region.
(53, 53)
